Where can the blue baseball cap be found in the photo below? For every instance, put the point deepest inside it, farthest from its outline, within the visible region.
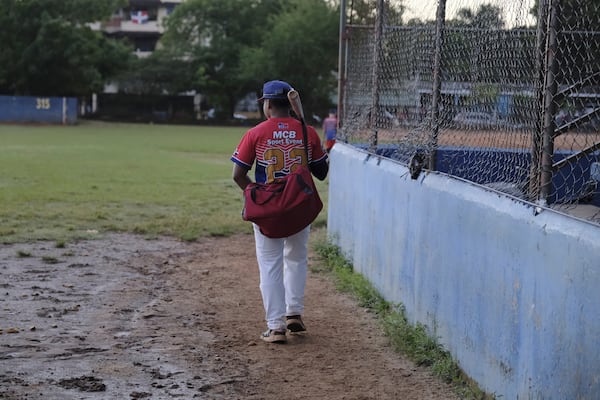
(275, 90)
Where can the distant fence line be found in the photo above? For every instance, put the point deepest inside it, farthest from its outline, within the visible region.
(502, 94)
(41, 109)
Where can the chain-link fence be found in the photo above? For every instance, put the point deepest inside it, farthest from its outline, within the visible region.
(505, 94)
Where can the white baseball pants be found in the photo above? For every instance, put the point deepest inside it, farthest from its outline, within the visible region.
(283, 265)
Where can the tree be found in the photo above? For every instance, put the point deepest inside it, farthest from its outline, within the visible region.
(578, 47)
(473, 44)
(300, 47)
(487, 16)
(211, 36)
(364, 12)
(163, 72)
(49, 49)
(234, 46)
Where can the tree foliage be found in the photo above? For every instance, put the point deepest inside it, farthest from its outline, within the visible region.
(577, 27)
(364, 12)
(478, 48)
(486, 16)
(234, 46)
(48, 48)
(300, 47)
(163, 72)
(210, 35)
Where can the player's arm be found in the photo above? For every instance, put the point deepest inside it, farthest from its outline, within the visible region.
(243, 158)
(320, 168)
(240, 176)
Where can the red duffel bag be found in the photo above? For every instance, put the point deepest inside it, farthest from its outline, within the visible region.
(284, 207)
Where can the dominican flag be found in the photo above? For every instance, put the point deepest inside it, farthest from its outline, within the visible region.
(139, 17)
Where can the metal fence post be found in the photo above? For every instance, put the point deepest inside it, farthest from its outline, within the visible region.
(536, 140)
(550, 89)
(437, 81)
(342, 63)
(375, 78)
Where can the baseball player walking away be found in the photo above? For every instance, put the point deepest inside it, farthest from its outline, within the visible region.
(275, 145)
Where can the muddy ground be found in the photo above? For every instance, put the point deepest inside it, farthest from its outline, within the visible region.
(122, 317)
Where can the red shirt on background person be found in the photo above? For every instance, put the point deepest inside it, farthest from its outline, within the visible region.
(330, 130)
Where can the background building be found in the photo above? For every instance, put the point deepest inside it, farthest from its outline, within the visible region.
(141, 22)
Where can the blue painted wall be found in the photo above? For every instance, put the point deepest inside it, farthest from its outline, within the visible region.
(512, 293)
(53, 110)
(481, 165)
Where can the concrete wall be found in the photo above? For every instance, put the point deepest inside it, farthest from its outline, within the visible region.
(512, 293)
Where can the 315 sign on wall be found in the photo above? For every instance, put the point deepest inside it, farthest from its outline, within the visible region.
(42, 103)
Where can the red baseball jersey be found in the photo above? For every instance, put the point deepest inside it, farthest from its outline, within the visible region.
(277, 146)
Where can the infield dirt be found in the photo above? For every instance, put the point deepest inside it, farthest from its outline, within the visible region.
(122, 317)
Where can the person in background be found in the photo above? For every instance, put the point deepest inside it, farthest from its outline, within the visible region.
(277, 147)
(330, 130)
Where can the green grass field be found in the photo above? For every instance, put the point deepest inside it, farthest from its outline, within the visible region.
(65, 183)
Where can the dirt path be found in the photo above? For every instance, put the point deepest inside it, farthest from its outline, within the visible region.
(127, 318)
